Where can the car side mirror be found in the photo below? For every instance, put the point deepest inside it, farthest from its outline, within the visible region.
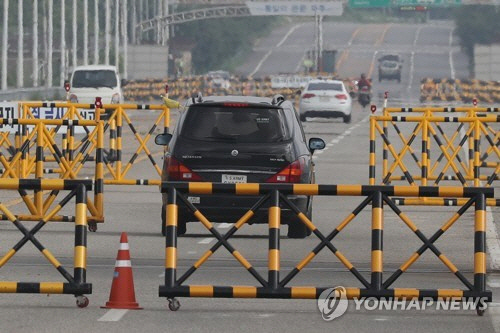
(163, 139)
(316, 144)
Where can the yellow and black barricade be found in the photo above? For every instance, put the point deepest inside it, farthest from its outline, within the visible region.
(75, 284)
(275, 286)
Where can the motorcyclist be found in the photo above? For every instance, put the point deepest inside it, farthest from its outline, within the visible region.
(364, 82)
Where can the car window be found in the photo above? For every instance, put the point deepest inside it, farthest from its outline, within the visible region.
(94, 79)
(253, 125)
(390, 64)
(325, 86)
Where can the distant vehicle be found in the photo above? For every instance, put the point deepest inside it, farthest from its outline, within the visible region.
(239, 139)
(220, 79)
(364, 96)
(89, 82)
(390, 66)
(325, 98)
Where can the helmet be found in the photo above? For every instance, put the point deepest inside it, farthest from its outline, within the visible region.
(363, 76)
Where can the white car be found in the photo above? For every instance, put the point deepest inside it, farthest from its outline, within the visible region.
(325, 98)
(89, 82)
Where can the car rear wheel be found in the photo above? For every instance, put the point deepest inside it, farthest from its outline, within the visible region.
(347, 119)
(181, 222)
(302, 118)
(297, 229)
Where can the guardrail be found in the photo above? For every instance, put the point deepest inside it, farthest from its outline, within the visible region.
(75, 284)
(276, 287)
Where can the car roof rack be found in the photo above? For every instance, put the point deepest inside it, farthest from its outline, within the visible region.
(277, 99)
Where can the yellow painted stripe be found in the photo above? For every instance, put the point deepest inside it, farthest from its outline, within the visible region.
(52, 259)
(172, 215)
(448, 263)
(80, 256)
(411, 191)
(408, 222)
(8, 287)
(450, 222)
(349, 190)
(304, 292)
(406, 293)
(274, 260)
(247, 189)
(203, 220)
(244, 292)
(447, 293)
(51, 288)
(203, 259)
(81, 214)
(305, 261)
(479, 263)
(9, 184)
(344, 260)
(170, 257)
(307, 222)
(241, 260)
(410, 261)
(480, 221)
(377, 261)
(305, 189)
(346, 222)
(454, 192)
(7, 256)
(377, 218)
(244, 219)
(352, 293)
(9, 215)
(274, 217)
(200, 188)
(201, 291)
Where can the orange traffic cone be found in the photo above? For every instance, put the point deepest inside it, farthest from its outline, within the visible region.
(122, 295)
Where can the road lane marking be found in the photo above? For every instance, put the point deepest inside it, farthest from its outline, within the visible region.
(264, 58)
(345, 52)
(113, 315)
(207, 240)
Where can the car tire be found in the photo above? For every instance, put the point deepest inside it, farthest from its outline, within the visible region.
(181, 222)
(297, 229)
(302, 118)
(399, 79)
(347, 118)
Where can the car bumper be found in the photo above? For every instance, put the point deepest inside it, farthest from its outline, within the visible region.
(327, 110)
(230, 208)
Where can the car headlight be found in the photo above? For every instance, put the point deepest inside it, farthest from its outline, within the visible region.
(115, 99)
(73, 98)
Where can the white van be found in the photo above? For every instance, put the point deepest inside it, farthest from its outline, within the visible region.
(89, 82)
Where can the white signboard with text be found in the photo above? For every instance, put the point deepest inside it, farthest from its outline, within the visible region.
(295, 8)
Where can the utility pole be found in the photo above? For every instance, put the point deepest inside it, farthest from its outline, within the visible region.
(125, 38)
(96, 32)
(35, 43)
(20, 46)
(75, 34)
(117, 34)
(4, 42)
(62, 76)
(50, 42)
(85, 32)
(107, 37)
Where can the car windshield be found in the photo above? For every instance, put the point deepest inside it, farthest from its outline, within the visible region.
(94, 79)
(325, 86)
(252, 125)
(390, 64)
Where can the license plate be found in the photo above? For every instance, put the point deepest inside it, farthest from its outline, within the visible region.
(233, 179)
(324, 99)
(194, 200)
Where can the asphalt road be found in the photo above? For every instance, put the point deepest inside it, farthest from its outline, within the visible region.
(136, 210)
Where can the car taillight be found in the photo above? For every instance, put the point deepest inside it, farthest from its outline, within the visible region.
(308, 95)
(178, 171)
(291, 174)
(236, 105)
(341, 96)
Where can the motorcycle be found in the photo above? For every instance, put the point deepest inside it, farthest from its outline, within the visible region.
(364, 96)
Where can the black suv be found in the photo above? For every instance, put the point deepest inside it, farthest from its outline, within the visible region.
(239, 139)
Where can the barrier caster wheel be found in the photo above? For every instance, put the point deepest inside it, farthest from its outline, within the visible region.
(480, 312)
(82, 301)
(92, 226)
(173, 304)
